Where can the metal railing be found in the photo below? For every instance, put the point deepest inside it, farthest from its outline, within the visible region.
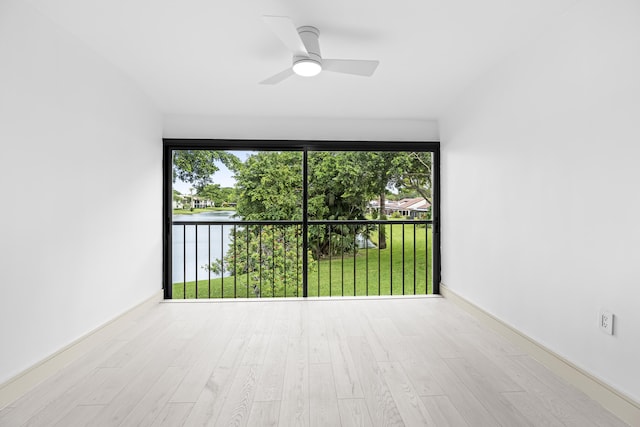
(248, 259)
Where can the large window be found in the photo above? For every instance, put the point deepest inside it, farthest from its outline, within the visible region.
(248, 219)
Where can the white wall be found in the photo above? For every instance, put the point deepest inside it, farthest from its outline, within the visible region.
(80, 168)
(541, 189)
(176, 126)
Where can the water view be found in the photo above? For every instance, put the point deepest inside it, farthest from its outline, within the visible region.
(213, 241)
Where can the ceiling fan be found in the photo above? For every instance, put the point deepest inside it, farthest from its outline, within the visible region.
(307, 60)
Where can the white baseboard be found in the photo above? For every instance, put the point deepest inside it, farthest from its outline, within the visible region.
(622, 406)
(17, 386)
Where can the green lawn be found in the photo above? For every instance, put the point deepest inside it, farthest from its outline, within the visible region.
(372, 269)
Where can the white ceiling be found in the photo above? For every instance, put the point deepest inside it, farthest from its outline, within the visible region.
(206, 57)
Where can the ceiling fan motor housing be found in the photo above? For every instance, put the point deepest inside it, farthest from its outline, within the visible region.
(309, 36)
(303, 43)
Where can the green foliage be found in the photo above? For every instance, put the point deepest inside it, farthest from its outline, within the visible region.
(210, 192)
(269, 258)
(416, 176)
(227, 196)
(197, 166)
(338, 185)
(269, 186)
(396, 215)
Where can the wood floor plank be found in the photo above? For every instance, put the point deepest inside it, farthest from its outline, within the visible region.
(421, 377)
(209, 331)
(482, 387)
(500, 381)
(448, 347)
(56, 386)
(136, 363)
(147, 364)
(380, 402)
(404, 318)
(590, 410)
(443, 412)
(547, 398)
(207, 406)
(201, 367)
(256, 349)
(136, 386)
(344, 370)
(237, 404)
(298, 320)
(351, 318)
(528, 405)
(172, 414)
(417, 362)
(380, 351)
(397, 345)
(271, 380)
(145, 335)
(318, 340)
(4, 412)
(109, 389)
(79, 416)
(464, 401)
(409, 405)
(491, 343)
(354, 413)
(156, 397)
(294, 408)
(264, 414)
(66, 402)
(323, 403)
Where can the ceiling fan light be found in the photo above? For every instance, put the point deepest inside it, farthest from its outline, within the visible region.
(307, 68)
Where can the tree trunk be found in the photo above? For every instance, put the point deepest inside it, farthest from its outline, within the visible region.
(382, 243)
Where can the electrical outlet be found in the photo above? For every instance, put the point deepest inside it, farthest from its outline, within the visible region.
(606, 322)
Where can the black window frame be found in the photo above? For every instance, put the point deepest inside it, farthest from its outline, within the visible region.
(304, 146)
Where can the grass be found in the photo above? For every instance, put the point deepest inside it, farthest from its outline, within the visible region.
(360, 272)
(200, 210)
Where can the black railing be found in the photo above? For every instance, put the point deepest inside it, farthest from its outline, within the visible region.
(248, 259)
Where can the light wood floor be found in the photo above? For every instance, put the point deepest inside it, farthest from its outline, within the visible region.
(380, 362)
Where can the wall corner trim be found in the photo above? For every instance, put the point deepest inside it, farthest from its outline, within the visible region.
(616, 402)
(17, 386)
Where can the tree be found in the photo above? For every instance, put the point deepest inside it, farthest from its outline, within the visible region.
(417, 175)
(198, 166)
(269, 257)
(178, 198)
(338, 190)
(227, 195)
(209, 192)
(269, 186)
(383, 170)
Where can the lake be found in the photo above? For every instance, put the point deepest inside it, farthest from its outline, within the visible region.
(212, 241)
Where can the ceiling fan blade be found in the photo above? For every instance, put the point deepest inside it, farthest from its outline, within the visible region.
(278, 77)
(287, 32)
(357, 67)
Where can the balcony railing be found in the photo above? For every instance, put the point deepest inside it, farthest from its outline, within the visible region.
(266, 259)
